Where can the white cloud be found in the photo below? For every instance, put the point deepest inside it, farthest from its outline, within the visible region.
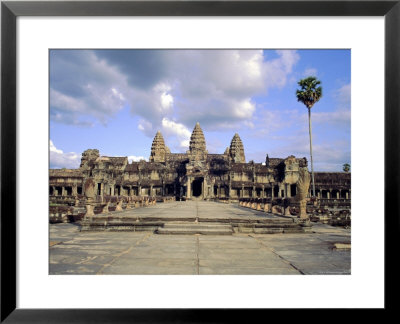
(59, 159)
(118, 94)
(343, 94)
(213, 87)
(146, 127)
(83, 87)
(163, 91)
(244, 109)
(54, 149)
(328, 155)
(310, 72)
(166, 100)
(177, 130)
(277, 70)
(135, 158)
(339, 117)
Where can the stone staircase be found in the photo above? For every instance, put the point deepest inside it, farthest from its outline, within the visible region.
(274, 226)
(158, 224)
(195, 228)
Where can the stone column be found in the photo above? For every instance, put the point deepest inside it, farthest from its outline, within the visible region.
(219, 191)
(151, 191)
(328, 194)
(62, 191)
(89, 194)
(267, 207)
(104, 210)
(302, 190)
(189, 189)
(118, 207)
(262, 192)
(337, 194)
(242, 192)
(74, 190)
(273, 191)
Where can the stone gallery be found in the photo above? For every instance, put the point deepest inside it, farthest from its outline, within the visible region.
(280, 185)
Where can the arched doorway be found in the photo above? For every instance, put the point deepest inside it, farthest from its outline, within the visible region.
(197, 187)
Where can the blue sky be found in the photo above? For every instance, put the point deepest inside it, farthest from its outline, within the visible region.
(116, 101)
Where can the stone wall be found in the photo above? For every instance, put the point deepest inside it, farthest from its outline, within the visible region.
(194, 175)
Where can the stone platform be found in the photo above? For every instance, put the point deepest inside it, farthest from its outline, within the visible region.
(145, 253)
(195, 217)
(195, 228)
(186, 250)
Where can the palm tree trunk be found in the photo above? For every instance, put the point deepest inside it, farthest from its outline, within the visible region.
(312, 165)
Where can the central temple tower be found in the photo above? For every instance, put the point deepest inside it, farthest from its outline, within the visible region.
(196, 169)
(197, 147)
(236, 150)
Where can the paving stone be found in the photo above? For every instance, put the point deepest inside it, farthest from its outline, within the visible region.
(147, 253)
(247, 271)
(74, 269)
(140, 269)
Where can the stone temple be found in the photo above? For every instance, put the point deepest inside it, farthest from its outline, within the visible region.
(198, 175)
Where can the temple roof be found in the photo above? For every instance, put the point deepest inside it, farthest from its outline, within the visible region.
(332, 177)
(197, 140)
(236, 149)
(158, 149)
(273, 162)
(115, 160)
(66, 173)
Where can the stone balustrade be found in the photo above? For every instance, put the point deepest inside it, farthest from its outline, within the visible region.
(89, 207)
(280, 206)
(317, 209)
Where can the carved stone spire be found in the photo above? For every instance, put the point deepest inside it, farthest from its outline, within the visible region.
(89, 156)
(236, 150)
(197, 146)
(158, 149)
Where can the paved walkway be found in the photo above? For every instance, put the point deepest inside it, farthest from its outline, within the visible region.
(75, 252)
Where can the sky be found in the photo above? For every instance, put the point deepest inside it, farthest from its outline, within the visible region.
(116, 100)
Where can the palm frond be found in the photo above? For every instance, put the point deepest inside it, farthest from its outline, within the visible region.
(309, 93)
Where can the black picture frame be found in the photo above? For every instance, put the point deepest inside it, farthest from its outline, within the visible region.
(10, 10)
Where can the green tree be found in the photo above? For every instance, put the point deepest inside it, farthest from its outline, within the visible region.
(346, 167)
(309, 93)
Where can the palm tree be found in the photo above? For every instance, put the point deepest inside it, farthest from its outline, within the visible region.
(346, 167)
(309, 94)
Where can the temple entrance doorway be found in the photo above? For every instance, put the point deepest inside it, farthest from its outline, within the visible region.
(197, 186)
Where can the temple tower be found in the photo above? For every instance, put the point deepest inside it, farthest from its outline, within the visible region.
(158, 149)
(236, 150)
(88, 157)
(196, 169)
(197, 146)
